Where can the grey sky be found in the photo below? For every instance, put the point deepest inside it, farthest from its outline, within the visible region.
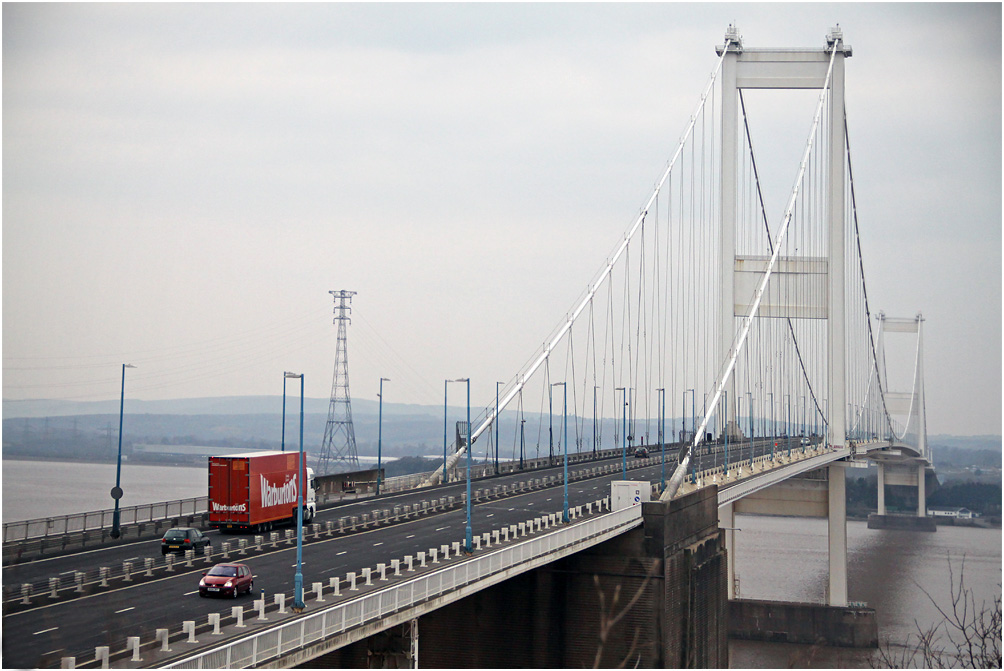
(184, 183)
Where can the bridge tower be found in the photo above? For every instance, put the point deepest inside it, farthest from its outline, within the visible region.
(907, 459)
(338, 449)
(816, 282)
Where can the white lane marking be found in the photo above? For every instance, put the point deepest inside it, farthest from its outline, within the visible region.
(411, 536)
(185, 594)
(376, 544)
(302, 563)
(45, 631)
(490, 515)
(442, 528)
(126, 610)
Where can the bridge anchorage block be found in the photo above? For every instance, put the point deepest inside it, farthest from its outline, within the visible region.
(408, 563)
(456, 548)
(486, 539)
(214, 622)
(395, 565)
(26, 590)
(242, 546)
(280, 600)
(257, 543)
(445, 550)
(505, 534)
(421, 560)
(318, 591)
(237, 612)
(259, 605)
(163, 636)
(351, 577)
(78, 579)
(329, 528)
(104, 570)
(495, 536)
(367, 575)
(382, 570)
(148, 566)
(434, 555)
(68, 663)
(53, 588)
(477, 543)
(335, 584)
(189, 556)
(273, 538)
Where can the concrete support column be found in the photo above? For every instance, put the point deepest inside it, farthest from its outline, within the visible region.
(881, 488)
(727, 521)
(837, 527)
(921, 492)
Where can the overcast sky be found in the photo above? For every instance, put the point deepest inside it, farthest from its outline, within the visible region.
(183, 184)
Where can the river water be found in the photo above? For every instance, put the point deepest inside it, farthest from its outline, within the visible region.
(785, 559)
(777, 558)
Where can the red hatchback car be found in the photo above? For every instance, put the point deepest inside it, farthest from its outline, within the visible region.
(226, 580)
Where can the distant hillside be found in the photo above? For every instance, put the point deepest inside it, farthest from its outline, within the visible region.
(966, 442)
(224, 405)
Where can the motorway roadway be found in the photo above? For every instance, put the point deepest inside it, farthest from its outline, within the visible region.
(42, 634)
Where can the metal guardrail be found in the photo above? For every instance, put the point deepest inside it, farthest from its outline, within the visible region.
(269, 644)
(151, 512)
(99, 519)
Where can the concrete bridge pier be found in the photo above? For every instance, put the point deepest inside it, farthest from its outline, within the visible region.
(902, 474)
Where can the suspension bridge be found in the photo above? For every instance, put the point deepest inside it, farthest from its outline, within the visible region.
(724, 358)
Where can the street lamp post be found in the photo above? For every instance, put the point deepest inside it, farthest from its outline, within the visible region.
(380, 435)
(594, 388)
(468, 534)
(497, 426)
(301, 483)
(564, 444)
(693, 429)
(750, 394)
(724, 408)
(117, 490)
(787, 431)
(624, 433)
(662, 429)
(773, 427)
(446, 384)
(282, 441)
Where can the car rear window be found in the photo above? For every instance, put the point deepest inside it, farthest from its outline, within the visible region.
(176, 533)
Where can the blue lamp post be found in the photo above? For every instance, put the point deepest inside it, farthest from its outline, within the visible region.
(564, 444)
(117, 490)
(497, 426)
(595, 387)
(380, 435)
(301, 483)
(624, 436)
(723, 409)
(282, 443)
(662, 430)
(693, 428)
(468, 534)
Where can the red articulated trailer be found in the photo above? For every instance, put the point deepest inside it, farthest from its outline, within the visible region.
(257, 491)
